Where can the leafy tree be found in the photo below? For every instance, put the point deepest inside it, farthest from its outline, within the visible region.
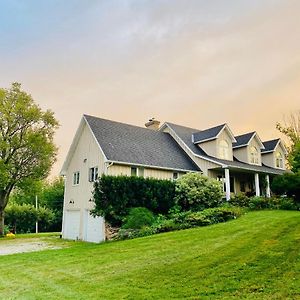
(27, 151)
(294, 158)
(52, 197)
(289, 184)
(197, 192)
(291, 129)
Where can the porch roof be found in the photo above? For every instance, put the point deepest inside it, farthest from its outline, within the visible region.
(248, 168)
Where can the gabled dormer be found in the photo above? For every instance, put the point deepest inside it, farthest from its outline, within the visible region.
(274, 154)
(216, 141)
(248, 148)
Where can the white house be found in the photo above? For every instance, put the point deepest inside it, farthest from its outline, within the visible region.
(106, 147)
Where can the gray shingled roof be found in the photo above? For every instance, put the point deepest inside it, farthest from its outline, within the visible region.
(207, 134)
(185, 134)
(270, 145)
(243, 140)
(136, 145)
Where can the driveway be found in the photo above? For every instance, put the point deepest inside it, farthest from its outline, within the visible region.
(14, 246)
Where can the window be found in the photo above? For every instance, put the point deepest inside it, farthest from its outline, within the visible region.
(141, 172)
(224, 149)
(253, 155)
(76, 176)
(175, 175)
(133, 171)
(279, 160)
(93, 174)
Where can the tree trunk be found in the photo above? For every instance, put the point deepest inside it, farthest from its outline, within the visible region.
(1, 222)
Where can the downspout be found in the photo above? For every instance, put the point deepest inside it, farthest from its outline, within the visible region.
(107, 165)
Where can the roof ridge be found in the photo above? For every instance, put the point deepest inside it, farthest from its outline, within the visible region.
(271, 140)
(251, 132)
(145, 128)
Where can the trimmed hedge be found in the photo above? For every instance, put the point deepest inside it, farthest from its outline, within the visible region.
(114, 196)
(21, 218)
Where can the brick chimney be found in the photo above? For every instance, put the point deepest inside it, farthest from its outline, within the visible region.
(152, 124)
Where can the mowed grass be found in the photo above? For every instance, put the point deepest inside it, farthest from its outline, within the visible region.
(254, 257)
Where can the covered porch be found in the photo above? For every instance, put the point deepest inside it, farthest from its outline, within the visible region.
(236, 180)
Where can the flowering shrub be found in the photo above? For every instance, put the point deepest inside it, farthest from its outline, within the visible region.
(197, 192)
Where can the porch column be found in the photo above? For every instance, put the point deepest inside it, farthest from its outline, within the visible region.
(257, 191)
(268, 191)
(227, 184)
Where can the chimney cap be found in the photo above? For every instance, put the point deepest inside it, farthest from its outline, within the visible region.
(152, 124)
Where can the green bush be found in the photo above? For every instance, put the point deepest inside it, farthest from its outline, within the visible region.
(114, 196)
(138, 217)
(183, 220)
(22, 218)
(6, 229)
(240, 200)
(287, 184)
(257, 203)
(197, 192)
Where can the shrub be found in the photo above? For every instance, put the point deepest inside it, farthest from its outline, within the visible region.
(114, 196)
(6, 229)
(138, 217)
(240, 200)
(183, 220)
(22, 218)
(287, 184)
(197, 192)
(257, 203)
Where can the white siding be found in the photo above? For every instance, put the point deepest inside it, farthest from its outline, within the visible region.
(86, 155)
(225, 136)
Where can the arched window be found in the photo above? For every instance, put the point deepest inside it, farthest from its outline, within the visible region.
(279, 160)
(253, 155)
(224, 149)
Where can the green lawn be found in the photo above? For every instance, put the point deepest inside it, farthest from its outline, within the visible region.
(254, 257)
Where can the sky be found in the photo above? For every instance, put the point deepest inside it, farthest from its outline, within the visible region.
(196, 63)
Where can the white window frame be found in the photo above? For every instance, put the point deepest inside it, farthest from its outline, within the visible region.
(93, 174)
(279, 160)
(254, 155)
(136, 171)
(76, 178)
(224, 149)
(140, 171)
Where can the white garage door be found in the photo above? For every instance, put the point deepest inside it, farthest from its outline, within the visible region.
(71, 224)
(94, 228)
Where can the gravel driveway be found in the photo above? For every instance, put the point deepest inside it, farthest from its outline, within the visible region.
(24, 245)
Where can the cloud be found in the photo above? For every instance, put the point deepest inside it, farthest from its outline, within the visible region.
(197, 63)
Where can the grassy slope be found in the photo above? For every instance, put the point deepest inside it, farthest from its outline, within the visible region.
(254, 257)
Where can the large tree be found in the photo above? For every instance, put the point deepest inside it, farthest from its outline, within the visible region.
(27, 150)
(290, 127)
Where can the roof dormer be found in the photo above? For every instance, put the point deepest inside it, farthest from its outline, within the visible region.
(216, 141)
(274, 154)
(248, 148)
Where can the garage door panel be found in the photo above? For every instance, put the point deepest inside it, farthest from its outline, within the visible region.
(94, 228)
(72, 224)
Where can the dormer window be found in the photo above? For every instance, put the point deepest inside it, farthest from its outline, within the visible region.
(253, 155)
(279, 160)
(224, 149)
